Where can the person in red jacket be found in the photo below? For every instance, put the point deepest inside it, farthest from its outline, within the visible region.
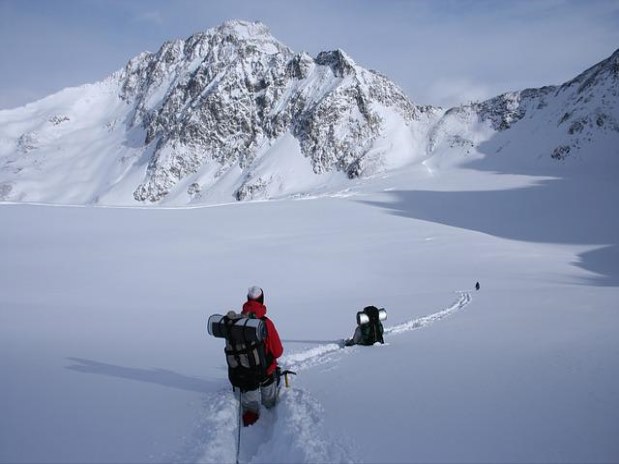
(266, 394)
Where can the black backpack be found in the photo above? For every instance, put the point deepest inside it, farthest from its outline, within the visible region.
(369, 320)
(245, 351)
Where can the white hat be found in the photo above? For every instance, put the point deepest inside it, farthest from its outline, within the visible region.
(254, 292)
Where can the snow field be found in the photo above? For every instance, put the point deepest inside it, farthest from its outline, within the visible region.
(106, 356)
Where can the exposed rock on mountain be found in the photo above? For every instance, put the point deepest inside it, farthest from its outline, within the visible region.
(552, 122)
(219, 97)
(233, 114)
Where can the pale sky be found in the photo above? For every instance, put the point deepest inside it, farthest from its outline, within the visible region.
(440, 52)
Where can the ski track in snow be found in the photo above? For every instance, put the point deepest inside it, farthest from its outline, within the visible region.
(293, 431)
(325, 353)
(465, 299)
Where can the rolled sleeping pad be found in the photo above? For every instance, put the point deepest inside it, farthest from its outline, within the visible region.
(363, 318)
(213, 326)
(243, 328)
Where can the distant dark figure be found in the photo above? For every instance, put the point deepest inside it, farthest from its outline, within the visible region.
(477, 286)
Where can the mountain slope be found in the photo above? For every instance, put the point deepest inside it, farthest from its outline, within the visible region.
(555, 130)
(208, 113)
(232, 114)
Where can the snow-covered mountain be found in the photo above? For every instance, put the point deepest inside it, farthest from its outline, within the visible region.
(103, 345)
(230, 112)
(573, 126)
(233, 114)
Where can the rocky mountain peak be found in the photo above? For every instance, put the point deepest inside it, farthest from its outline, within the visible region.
(243, 30)
(576, 115)
(606, 69)
(219, 96)
(233, 113)
(339, 62)
(214, 49)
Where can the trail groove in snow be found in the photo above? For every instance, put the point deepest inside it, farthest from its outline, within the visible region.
(465, 299)
(323, 353)
(292, 432)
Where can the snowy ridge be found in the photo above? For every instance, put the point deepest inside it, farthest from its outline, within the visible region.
(232, 114)
(574, 125)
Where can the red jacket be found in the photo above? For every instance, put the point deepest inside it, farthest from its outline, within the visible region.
(272, 343)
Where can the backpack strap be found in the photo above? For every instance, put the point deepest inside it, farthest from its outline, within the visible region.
(248, 349)
(267, 354)
(229, 322)
(245, 353)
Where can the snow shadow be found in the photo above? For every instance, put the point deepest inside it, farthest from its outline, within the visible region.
(603, 261)
(162, 377)
(560, 211)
